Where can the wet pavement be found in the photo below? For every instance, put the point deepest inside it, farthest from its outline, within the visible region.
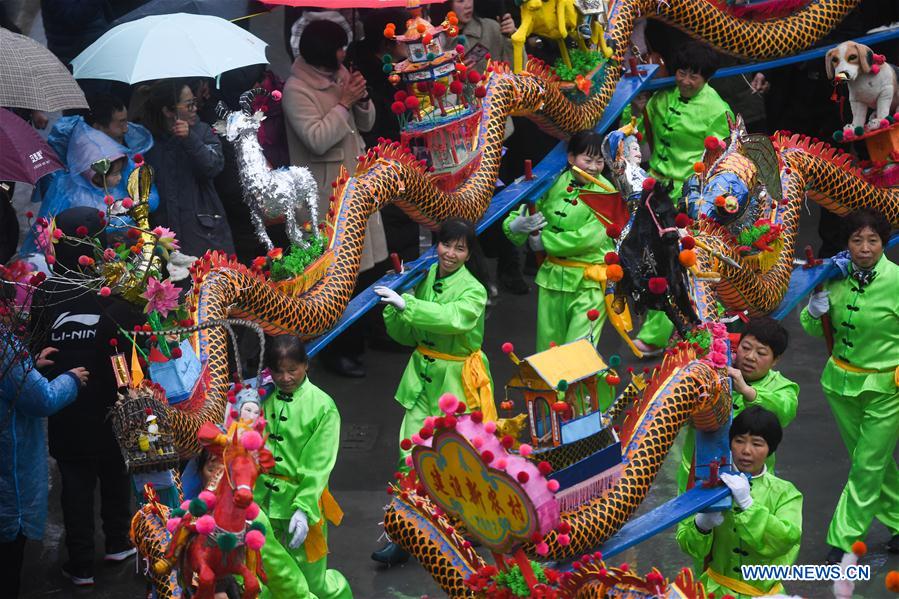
(811, 456)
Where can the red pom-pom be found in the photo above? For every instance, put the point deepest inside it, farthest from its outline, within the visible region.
(711, 143)
(398, 107)
(648, 183)
(400, 96)
(859, 548)
(892, 581)
(507, 441)
(682, 220)
(439, 88)
(456, 87)
(138, 159)
(508, 348)
(564, 527)
(114, 342)
(477, 416)
(687, 243)
(176, 352)
(412, 103)
(545, 468)
(487, 456)
(611, 258)
(658, 285)
(592, 314)
(523, 477)
(613, 231)
(81, 231)
(473, 76)
(480, 91)
(406, 444)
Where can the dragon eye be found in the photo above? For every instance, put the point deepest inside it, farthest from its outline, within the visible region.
(853, 57)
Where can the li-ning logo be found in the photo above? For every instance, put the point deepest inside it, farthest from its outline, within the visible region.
(37, 156)
(86, 320)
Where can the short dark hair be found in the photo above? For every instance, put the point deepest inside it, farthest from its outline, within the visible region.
(102, 108)
(285, 347)
(759, 422)
(864, 218)
(320, 42)
(585, 142)
(695, 57)
(457, 228)
(768, 332)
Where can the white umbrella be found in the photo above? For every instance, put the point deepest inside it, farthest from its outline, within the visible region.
(165, 46)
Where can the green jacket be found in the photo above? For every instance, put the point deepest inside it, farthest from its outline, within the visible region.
(572, 232)
(304, 433)
(865, 332)
(447, 316)
(768, 533)
(679, 128)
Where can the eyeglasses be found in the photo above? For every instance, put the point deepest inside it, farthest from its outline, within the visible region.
(190, 104)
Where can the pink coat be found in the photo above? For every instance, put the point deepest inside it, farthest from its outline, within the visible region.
(322, 136)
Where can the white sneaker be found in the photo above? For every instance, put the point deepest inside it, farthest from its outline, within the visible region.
(78, 578)
(120, 556)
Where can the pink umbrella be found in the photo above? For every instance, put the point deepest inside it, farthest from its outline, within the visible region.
(25, 156)
(338, 4)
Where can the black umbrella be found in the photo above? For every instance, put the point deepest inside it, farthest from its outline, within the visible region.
(226, 9)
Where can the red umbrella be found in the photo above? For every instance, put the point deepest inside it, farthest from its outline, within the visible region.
(338, 4)
(25, 156)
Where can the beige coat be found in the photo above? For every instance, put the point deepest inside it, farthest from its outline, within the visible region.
(322, 136)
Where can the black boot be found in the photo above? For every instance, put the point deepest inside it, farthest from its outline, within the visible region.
(391, 554)
(834, 556)
(893, 544)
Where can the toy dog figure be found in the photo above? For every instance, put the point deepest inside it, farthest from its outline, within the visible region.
(871, 86)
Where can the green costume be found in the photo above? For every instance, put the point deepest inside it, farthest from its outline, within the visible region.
(304, 433)
(859, 382)
(678, 129)
(768, 533)
(774, 392)
(572, 277)
(445, 317)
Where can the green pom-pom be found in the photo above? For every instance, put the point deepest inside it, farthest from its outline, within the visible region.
(226, 541)
(258, 526)
(859, 130)
(198, 507)
(430, 56)
(562, 386)
(461, 39)
(891, 119)
(614, 360)
(387, 68)
(838, 136)
(177, 513)
(387, 59)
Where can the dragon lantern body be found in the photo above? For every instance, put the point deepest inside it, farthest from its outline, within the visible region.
(685, 387)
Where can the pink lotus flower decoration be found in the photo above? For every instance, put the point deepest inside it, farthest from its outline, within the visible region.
(161, 296)
(165, 240)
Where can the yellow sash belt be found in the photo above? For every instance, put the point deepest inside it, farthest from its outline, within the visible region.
(850, 368)
(742, 587)
(475, 382)
(316, 546)
(593, 272)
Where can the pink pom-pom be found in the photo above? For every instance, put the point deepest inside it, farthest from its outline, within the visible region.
(252, 511)
(255, 540)
(276, 95)
(884, 123)
(409, 461)
(552, 485)
(508, 348)
(477, 442)
(105, 291)
(171, 524)
(209, 498)
(185, 505)
(524, 450)
(563, 540)
(259, 425)
(205, 525)
(251, 440)
(448, 403)
(127, 203)
(430, 423)
(490, 427)
(542, 548)
(416, 438)
(502, 463)
(875, 68)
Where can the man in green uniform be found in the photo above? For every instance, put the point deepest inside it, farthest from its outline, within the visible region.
(860, 380)
(765, 525)
(678, 120)
(754, 382)
(304, 429)
(572, 277)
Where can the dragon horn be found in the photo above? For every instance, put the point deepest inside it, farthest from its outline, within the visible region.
(221, 110)
(246, 99)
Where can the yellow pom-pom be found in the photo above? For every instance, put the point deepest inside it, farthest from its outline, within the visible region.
(892, 581)
(859, 548)
(687, 258)
(614, 272)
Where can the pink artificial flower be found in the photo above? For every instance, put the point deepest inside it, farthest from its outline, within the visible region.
(161, 296)
(109, 254)
(719, 330)
(719, 360)
(718, 345)
(165, 240)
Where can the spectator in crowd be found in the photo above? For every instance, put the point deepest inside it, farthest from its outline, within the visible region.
(81, 325)
(26, 398)
(186, 158)
(326, 107)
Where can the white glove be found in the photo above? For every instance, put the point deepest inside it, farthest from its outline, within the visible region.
(299, 528)
(389, 296)
(819, 304)
(739, 489)
(524, 223)
(706, 521)
(843, 588)
(535, 243)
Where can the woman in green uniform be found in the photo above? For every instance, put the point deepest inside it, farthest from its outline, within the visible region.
(572, 277)
(444, 321)
(765, 525)
(860, 380)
